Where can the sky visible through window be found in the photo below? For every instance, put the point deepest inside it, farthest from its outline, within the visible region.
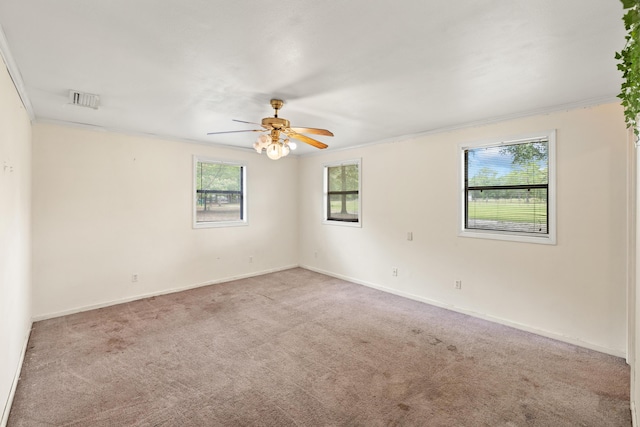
(492, 163)
(494, 158)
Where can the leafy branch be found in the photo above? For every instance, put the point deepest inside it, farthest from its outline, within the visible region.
(629, 65)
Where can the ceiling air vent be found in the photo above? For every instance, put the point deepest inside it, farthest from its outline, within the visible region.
(84, 99)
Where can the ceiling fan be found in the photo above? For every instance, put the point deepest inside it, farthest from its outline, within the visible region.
(277, 133)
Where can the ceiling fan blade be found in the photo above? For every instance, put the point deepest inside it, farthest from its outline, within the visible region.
(242, 121)
(314, 131)
(236, 131)
(306, 139)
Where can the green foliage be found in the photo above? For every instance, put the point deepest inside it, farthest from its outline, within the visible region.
(531, 173)
(485, 176)
(343, 178)
(523, 154)
(629, 64)
(218, 176)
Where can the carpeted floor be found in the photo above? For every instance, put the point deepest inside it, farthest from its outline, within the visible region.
(297, 348)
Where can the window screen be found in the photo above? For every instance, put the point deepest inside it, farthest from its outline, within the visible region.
(343, 184)
(507, 187)
(219, 192)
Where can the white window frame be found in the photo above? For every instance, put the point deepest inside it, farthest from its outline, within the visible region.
(214, 224)
(550, 237)
(325, 204)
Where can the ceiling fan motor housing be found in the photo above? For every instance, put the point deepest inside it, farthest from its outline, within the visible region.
(275, 123)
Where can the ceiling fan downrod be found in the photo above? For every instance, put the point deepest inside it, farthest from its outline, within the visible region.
(277, 104)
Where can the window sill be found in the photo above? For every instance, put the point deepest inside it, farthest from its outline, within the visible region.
(343, 223)
(220, 224)
(512, 237)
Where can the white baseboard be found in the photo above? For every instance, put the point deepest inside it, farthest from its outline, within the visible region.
(158, 293)
(570, 340)
(634, 420)
(14, 385)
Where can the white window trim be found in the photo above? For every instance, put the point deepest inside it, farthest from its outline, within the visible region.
(194, 195)
(550, 238)
(325, 184)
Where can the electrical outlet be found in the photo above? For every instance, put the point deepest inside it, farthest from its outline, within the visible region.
(394, 271)
(315, 254)
(458, 284)
(134, 278)
(250, 259)
(410, 235)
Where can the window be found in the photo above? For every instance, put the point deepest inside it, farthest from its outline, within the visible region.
(342, 193)
(220, 194)
(508, 189)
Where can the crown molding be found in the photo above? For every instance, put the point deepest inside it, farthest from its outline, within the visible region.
(587, 103)
(15, 75)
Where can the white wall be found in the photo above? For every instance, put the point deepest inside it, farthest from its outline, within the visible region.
(575, 290)
(15, 235)
(108, 205)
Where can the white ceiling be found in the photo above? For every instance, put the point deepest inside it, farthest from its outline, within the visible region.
(368, 70)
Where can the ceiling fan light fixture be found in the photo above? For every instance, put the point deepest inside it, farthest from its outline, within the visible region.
(258, 147)
(285, 149)
(261, 143)
(274, 150)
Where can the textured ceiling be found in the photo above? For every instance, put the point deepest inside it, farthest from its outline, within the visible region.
(367, 70)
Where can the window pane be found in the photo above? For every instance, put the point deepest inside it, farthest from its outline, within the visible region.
(342, 198)
(343, 207)
(522, 210)
(219, 192)
(507, 187)
(343, 178)
(514, 164)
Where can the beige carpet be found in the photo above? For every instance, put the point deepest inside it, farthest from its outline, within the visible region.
(297, 348)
